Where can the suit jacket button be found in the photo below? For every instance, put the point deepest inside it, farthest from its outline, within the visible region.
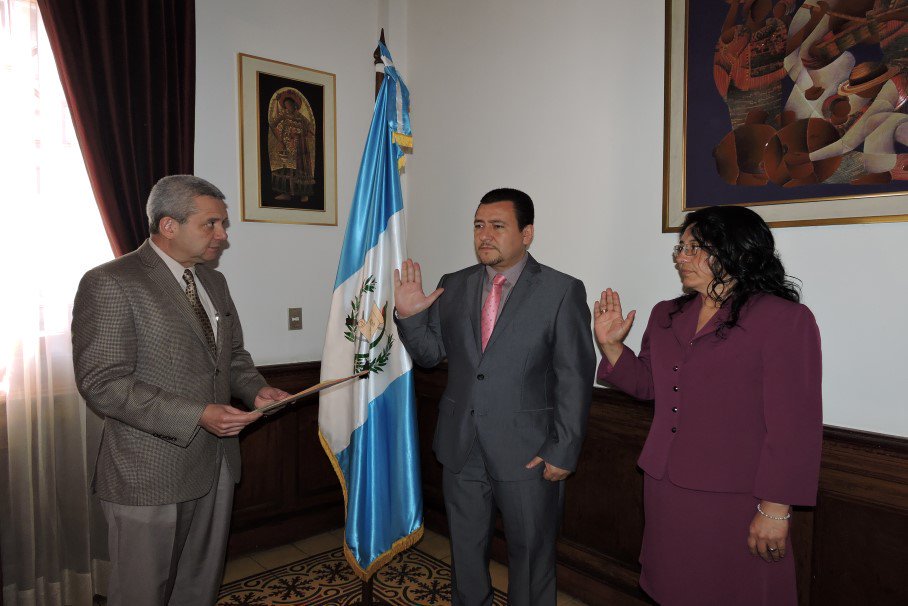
(675, 368)
(217, 371)
(674, 409)
(480, 377)
(675, 388)
(674, 430)
(472, 413)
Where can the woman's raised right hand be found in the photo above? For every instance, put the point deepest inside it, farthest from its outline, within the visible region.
(609, 324)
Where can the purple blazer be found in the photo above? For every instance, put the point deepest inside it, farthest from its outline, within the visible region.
(740, 414)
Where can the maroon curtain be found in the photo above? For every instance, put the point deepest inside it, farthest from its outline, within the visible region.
(128, 71)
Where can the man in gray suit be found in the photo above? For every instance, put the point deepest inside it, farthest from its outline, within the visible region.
(513, 416)
(158, 352)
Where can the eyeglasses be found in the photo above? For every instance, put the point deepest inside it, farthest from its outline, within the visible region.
(690, 250)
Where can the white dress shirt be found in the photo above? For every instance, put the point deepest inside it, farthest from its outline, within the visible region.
(177, 269)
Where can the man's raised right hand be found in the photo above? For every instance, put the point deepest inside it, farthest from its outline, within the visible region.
(409, 297)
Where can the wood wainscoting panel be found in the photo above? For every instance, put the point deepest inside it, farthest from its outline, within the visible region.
(851, 549)
(860, 538)
(602, 527)
(603, 505)
(429, 386)
(289, 490)
(861, 557)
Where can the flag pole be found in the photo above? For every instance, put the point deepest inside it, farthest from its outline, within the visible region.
(367, 592)
(368, 587)
(358, 426)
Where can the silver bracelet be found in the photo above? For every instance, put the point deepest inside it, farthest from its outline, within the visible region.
(766, 515)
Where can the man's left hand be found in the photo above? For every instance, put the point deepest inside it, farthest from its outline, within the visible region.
(551, 473)
(268, 394)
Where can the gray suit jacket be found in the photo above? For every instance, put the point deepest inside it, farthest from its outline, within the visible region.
(142, 362)
(529, 393)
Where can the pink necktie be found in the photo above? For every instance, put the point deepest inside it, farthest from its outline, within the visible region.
(490, 310)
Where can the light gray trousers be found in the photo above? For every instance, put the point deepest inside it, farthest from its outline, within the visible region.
(169, 555)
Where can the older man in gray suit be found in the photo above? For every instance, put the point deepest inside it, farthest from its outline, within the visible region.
(158, 353)
(513, 416)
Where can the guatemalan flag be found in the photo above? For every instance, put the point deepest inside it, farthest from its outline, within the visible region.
(368, 426)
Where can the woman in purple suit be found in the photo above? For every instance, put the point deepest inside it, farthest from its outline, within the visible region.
(733, 365)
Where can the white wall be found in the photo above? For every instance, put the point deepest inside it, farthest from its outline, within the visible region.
(564, 100)
(273, 267)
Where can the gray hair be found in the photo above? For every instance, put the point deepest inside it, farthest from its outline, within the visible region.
(173, 197)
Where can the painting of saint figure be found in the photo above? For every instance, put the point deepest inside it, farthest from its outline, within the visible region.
(291, 145)
(790, 101)
(288, 159)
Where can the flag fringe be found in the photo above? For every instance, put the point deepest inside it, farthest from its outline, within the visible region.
(398, 546)
(403, 140)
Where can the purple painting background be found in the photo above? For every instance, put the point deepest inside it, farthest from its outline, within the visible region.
(708, 122)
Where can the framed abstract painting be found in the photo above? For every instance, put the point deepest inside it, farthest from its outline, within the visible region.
(288, 147)
(796, 108)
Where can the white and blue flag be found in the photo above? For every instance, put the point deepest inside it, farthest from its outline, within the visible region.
(368, 426)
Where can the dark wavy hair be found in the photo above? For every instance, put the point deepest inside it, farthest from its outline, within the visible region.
(742, 257)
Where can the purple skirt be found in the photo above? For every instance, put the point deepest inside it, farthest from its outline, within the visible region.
(695, 551)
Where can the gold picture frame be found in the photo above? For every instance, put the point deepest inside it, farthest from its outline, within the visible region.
(687, 154)
(288, 143)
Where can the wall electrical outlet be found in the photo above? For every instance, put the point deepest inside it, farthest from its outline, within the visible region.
(295, 318)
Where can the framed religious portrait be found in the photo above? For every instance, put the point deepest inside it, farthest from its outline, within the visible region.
(795, 108)
(288, 146)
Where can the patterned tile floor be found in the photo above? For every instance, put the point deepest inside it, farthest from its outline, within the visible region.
(432, 544)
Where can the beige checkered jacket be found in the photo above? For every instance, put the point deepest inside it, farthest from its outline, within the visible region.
(141, 362)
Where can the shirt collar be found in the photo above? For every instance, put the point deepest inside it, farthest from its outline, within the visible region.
(172, 264)
(511, 274)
